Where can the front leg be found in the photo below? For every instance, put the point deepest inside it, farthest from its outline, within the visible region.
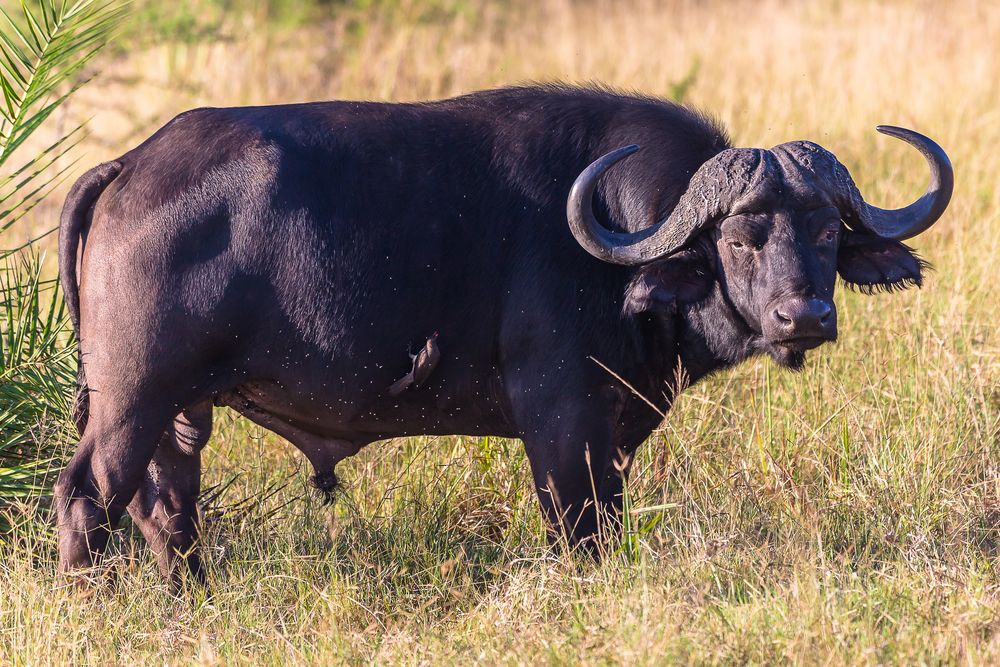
(577, 466)
(569, 410)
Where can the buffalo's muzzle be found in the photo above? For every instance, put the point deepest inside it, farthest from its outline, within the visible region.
(801, 323)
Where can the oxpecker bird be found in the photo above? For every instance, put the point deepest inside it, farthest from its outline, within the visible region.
(424, 363)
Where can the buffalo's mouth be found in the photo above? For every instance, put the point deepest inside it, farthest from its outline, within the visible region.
(802, 343)
(791, 352)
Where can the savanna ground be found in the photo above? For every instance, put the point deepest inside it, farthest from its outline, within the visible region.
(847, 514)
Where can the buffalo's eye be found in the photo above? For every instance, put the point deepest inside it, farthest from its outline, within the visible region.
(829, 235)
(740, 246)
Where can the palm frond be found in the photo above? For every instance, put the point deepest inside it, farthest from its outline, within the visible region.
(44, 50)
(37, 378)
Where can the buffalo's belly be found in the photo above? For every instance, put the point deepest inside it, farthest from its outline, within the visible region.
(321, 409)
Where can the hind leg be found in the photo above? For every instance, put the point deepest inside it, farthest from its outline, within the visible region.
(165, 507)
(103, 476)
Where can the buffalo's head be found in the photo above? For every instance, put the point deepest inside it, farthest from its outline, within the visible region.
(768, 230)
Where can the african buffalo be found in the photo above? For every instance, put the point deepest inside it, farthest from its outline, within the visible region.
(283, 260)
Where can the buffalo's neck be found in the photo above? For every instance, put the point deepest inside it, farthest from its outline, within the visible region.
(691, 343)
(713, 337)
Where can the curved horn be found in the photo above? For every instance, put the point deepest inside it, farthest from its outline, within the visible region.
(909, 221)
(711, 193)
(599, 241)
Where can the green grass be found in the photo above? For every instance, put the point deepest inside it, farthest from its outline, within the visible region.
(848, 514)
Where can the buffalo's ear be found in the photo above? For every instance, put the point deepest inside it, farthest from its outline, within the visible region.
(874, 264)
(668, 283)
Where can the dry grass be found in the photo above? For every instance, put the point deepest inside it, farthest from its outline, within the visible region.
(849, 514)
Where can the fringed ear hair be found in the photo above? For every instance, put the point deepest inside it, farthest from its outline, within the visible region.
(870, 264)
(889, 287)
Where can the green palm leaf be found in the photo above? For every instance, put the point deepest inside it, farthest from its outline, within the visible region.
(37, 372)
(44, 48)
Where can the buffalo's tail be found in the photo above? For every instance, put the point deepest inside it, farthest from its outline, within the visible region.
(76, 215)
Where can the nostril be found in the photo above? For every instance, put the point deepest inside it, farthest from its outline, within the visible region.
(823, 312)
(805, 318)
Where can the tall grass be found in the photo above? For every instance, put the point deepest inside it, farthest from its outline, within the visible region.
(848, 514)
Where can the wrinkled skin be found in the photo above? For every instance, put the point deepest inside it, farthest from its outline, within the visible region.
(779, 271)
(772, 284)
(281, 261)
